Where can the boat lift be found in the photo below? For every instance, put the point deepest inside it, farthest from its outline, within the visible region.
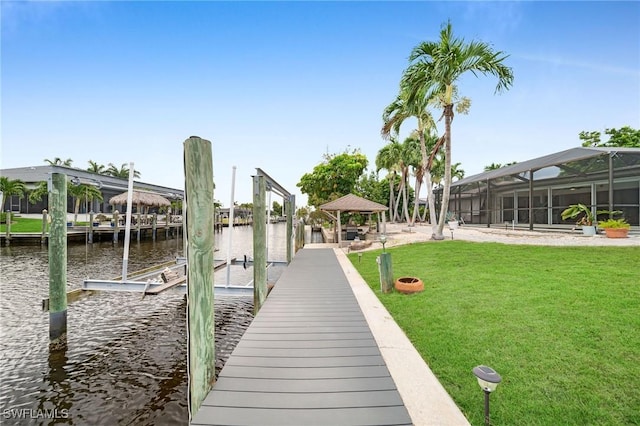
(146, 283)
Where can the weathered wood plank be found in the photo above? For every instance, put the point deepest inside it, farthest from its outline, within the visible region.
(338, 323)
(304, 336)
(358, 384)
(310, 330)
(304, 373)
(199, 237)
(166, 286)
(309, 344)
(305, 352)
(57, 262)
(259, 243)
(388, 398)
(306, 362)
(363, 416)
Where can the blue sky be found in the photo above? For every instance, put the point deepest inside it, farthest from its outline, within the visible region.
(277, 85)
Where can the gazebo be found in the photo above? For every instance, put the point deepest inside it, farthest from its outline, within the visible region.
(141, 198)
(353, 203)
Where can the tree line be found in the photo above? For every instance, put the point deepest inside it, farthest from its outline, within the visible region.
(80, 192)
(427, 86)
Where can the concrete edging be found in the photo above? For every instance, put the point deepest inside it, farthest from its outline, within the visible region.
(424, 396)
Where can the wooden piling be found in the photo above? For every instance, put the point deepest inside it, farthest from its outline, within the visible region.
(290, 207)
(90, 236)
(116, 228)
(259, 243)
(154, 226)
(299, 236)
(58, 263)
(199, 243)
(386, 273)
(7, 229)
(43, 236)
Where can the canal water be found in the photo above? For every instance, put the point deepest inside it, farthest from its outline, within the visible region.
(126, 360)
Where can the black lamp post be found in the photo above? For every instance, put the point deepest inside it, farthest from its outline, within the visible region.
(488, 380)
(383, 240)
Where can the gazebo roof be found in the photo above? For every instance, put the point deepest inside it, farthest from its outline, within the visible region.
(141, 197)
(353, 203)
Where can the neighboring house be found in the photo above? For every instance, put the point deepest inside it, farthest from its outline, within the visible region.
(109, 186)
(541, 188)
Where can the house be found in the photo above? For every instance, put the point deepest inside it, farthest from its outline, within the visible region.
(533, 193)
(109, 186)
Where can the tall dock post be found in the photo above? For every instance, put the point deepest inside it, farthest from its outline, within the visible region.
(7, 229)
(58, 263)
(44, 226)
(289, 209)
(259, 243)
(116, 229)
(199, 243)
(90, 236)
(154, 226)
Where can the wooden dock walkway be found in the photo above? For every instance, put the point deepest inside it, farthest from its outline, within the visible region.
(308, 358)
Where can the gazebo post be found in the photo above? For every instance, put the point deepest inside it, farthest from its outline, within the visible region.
(339, 230)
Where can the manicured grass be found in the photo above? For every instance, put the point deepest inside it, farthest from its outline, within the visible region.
(560, 324)
(23, 224)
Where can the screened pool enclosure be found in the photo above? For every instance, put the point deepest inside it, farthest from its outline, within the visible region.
(535, 192)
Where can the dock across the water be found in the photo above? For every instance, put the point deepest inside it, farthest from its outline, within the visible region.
(323, 351)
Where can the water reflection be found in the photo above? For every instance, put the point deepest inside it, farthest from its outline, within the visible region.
(126, 357)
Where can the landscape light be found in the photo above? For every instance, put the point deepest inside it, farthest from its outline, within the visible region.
(488, 380)
(383, 240)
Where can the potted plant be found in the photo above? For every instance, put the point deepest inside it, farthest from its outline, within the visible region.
(615, 228)
(451, 220)
(585, 217)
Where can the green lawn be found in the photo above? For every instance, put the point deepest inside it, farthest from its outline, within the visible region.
(23, 224)
(560, 324)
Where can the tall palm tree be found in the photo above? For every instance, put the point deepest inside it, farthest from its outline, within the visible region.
(122, 172)
(96, 168)
(434, 68)
(9, 187)
(403, 107)
(409, 157)
(82, 192)
(388, 159)
(59, 162)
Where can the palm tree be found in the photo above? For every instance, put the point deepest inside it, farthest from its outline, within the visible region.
(35, 195)
(388, 159)
(403, 107)
(434, 67)
(9, 187)
(96, 168)
(122, 172)
(59, 162)
(409, 157)
(82, 192)
(496, 166)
